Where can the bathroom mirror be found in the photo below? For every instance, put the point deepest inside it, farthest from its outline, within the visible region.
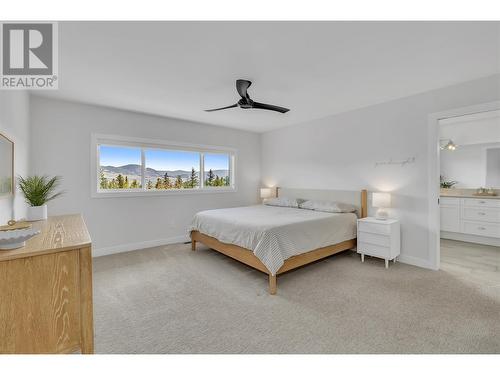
(472, 166)
(6, 166)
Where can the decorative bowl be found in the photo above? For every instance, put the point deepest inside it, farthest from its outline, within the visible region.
(13, 239)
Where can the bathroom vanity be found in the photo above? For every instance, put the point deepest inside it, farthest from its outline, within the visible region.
(470, 218)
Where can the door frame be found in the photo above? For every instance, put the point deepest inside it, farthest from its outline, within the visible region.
(433, 171)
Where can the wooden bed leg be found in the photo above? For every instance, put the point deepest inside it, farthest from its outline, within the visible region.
(193, 245)
(272, 284)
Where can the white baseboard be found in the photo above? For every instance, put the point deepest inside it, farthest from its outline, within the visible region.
(470, 238)
(98, 252)
(414, 261)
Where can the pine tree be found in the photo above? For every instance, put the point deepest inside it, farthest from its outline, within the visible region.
(134, 184)
(210, 178)
(149, 185)
(120, 181)
(166, 181)
(159, 184)
(104, 181)
(193, 180)
(126, 185)
(178, 182)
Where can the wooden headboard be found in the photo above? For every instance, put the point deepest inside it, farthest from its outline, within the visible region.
(354, 197)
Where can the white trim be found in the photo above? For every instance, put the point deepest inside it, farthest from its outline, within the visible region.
(138, 245)
(433, 170)
(156, 193)
(470, 117)
(145, 143)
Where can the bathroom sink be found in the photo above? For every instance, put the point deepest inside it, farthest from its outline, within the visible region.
(13, 239)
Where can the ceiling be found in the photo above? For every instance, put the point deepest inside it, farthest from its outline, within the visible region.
(178, 69)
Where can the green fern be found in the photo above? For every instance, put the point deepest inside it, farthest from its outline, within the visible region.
(38, 190)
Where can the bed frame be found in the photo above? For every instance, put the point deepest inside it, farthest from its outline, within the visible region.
(247, 257)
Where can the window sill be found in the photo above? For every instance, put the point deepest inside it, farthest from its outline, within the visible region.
(154, 193)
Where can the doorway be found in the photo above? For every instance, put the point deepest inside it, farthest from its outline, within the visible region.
(466, 175)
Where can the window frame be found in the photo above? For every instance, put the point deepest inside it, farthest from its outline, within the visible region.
(145, 143)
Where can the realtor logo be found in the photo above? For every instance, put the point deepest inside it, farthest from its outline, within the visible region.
(29, 56)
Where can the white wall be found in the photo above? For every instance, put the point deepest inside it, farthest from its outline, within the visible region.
(493, 167)
(339, 152)
(14, 123)
(471, 129)
(61, 134)
(467, 165)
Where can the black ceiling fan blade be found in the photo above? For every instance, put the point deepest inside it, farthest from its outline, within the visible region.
(242, 86)
(270, 107)
(219, 109)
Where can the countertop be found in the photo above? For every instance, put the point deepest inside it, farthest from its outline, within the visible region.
(470, 196)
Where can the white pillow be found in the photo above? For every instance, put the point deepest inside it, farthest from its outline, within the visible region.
(328, 206)
(283, 202)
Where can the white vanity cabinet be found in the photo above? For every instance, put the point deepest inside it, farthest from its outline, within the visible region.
(470, 217)
(450, 214)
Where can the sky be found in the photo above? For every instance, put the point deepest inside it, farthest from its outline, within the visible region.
(160, 159)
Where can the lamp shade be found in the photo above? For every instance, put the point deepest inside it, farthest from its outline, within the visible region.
(381, 200)
(266, 193)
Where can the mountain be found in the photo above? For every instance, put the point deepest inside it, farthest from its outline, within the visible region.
(133, 171)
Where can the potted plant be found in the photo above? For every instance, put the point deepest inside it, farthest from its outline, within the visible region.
(446, 184)
(37, 191)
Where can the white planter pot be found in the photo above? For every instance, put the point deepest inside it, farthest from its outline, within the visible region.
(37, 213)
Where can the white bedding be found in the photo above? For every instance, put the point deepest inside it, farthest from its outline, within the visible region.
(275, 234)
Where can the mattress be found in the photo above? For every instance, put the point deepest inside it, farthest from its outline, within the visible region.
(275, 234)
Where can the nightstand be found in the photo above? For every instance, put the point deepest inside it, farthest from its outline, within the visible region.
(379, 238)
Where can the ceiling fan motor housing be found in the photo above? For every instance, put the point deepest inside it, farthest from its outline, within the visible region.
(245, 103)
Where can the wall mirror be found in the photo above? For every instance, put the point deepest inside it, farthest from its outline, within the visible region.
(6, 166)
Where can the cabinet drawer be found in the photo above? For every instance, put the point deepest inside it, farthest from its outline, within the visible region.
(449, 201)
(478, 202)
(374, 250)
(374, 228)
(482, 214)
(481, 228)
(375, 239)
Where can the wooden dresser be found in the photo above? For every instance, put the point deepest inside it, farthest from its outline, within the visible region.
(46, 290)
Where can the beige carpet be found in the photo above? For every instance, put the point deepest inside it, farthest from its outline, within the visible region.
(173, 300)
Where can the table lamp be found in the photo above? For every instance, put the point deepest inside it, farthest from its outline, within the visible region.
(381, 201)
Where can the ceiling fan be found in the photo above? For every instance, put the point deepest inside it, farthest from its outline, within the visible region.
(245, 102)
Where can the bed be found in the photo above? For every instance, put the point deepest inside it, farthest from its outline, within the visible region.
(274, 239)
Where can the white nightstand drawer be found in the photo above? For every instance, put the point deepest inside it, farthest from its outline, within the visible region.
(379, 238)
(482, 214)
(375, 239)
(374, 250)
(374, 228)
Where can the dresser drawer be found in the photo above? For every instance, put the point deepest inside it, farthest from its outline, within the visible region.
(374, 250)
(481, 214)
(374, 228)
(478, 202)
(449, 201)
(481, 228)
(375, 239)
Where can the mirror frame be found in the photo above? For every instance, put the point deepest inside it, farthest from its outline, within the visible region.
(12, 168)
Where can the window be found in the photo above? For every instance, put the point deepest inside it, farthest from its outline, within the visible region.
(216, 170)
(166, 169)
(119, 167)
(127, 166)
